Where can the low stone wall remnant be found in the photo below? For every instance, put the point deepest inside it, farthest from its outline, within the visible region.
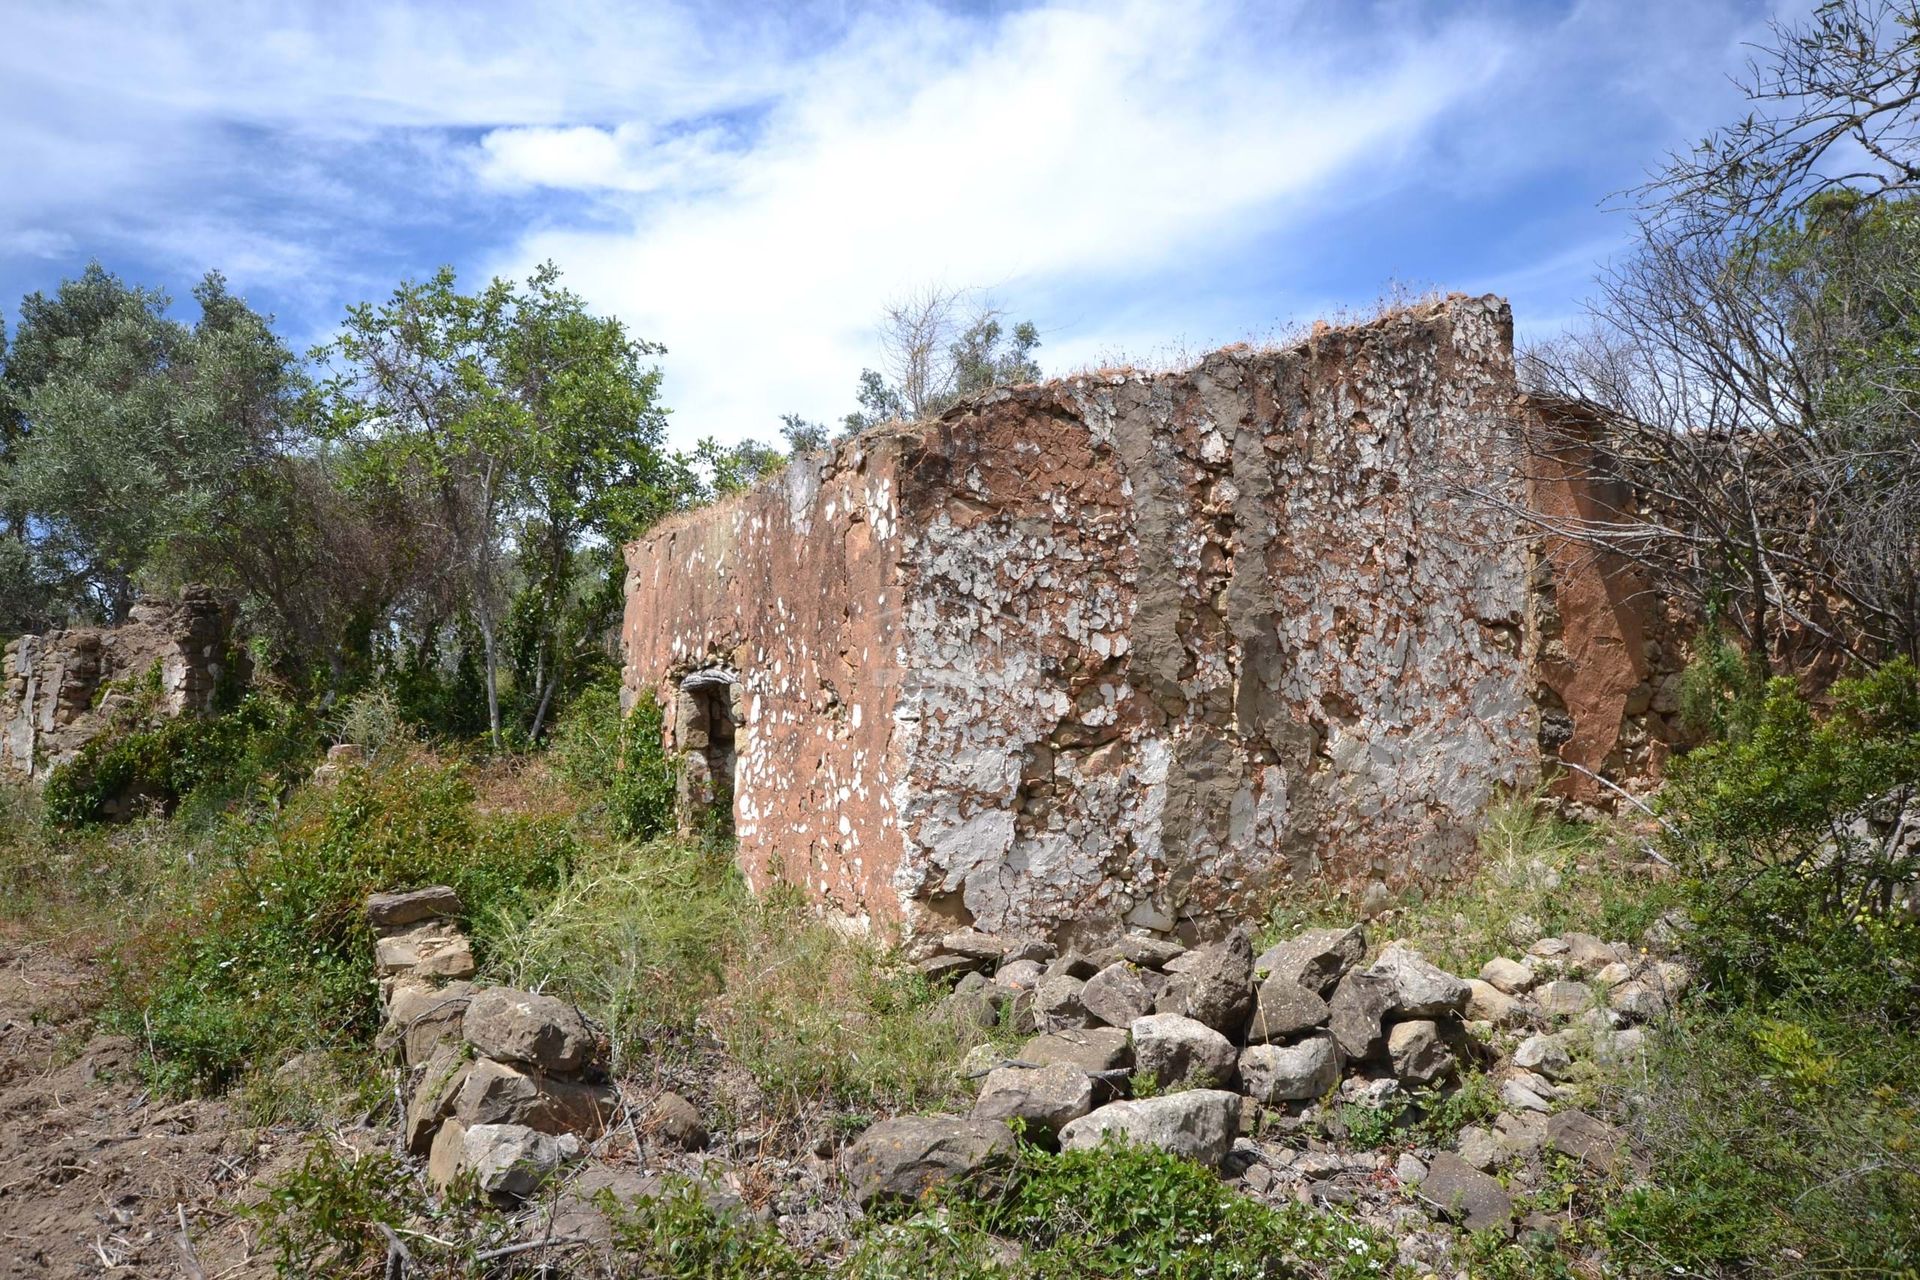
(62, 689)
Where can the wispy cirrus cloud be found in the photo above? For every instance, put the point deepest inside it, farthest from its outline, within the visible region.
(749, 184)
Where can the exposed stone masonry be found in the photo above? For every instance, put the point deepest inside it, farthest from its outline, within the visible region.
(62, 688)
(1125, 648)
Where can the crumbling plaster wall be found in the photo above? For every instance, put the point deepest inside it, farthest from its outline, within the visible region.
(791, 587)
(1175, 642)
(1125, 647)
(62, 688)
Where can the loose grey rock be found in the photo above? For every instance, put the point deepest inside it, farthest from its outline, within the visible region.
(1469, 1196)
(1093, 1049)
(1564, 999)
(975, 945)
(1419, 1056)
(1283, 1009)
(1214, 985)
(1523, 930)
(1410, 1169)
(1640, 1000)
(1546, 1054)
(510, 1161)
(1034, 950)
(1592, 1142)
(1613, 975)
(1116, 995)
(1199, 1124)
(1587, 954)
(1480, 1148)
(1518, 1097)
(1271, 1073)
(1149, 951)
(903, 1159)
(1667, 932)
(1045, 1097)
(1355, 1014)
(1419, 989)
(678, 1121)
(1548, 949)
(1619, 1049)
(1058, 1003)
(1488, 1003)
(1520, 1133)
(1023, 975)
(519, 1026)
(394, 910)
(1180, 1051)
(1515, 977)
(1316, 959)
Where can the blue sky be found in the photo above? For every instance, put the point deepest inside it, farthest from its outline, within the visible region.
(749, 184)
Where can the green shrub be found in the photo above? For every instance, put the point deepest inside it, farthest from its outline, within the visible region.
(621, 760)
(277, 956)
(1785, 833)
(680, 1235)
(1779, 1112)
(212, 762)
(337, 1214)
(1784, 1141)
(1125, 1211)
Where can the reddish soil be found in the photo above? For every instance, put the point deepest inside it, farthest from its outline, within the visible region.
(96, 1175)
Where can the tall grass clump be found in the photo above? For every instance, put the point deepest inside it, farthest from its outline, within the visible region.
(639, 936)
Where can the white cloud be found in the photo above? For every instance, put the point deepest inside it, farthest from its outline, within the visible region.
(750, 183)
(1062, 143)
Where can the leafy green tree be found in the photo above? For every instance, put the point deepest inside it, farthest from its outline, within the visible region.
(525, 428)
(130, 430)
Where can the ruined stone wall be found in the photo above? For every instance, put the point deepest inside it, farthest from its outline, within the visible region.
(62, 688)
(1606, 650)
(1123, 648)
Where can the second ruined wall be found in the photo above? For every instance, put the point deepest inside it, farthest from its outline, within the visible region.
(1176, 643)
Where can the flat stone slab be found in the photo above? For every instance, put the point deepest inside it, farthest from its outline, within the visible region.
(905, 1158)
(395, 910)
(430, 949)
(1474, 1199)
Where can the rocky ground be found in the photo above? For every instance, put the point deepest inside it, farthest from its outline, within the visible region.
(1423, 1102)
(98, 1178)
(1277, 1069)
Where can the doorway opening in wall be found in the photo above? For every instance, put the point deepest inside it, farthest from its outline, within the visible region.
(706, 728)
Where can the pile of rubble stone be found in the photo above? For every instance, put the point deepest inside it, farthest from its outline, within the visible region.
(1249, 1063)
(503, 1084)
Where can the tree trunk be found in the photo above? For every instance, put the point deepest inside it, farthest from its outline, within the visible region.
(493, 681)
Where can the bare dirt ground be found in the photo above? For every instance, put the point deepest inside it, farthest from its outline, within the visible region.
(96, 1177)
